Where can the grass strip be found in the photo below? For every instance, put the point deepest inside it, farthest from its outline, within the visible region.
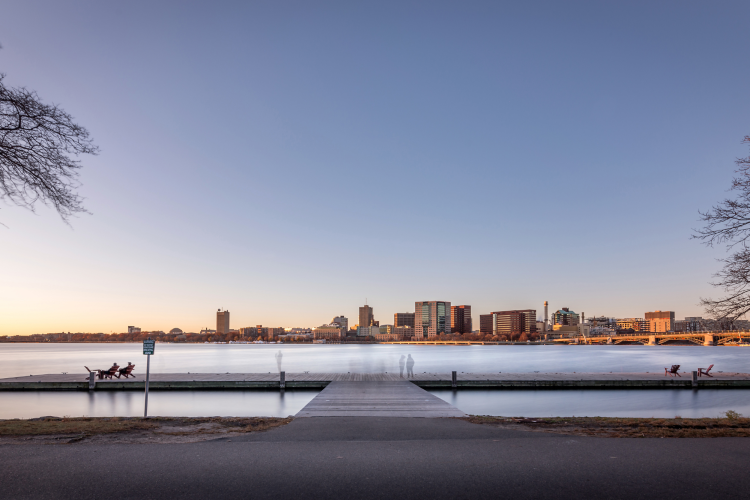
(91, 426)
(732, 426)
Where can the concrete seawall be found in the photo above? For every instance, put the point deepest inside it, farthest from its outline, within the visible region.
(270, 381)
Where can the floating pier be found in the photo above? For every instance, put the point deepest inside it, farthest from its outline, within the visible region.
(377, 398)
(273, 381)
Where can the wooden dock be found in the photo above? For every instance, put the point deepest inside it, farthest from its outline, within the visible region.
(270, 381)
(380, 398)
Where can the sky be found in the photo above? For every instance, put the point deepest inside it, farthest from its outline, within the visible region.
(290, 160)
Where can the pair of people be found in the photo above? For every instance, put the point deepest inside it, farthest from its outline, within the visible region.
(409, 362)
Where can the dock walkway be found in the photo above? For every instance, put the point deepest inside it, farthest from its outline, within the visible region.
(377, 399)
(270, 381)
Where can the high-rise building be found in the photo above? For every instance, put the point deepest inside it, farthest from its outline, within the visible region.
(565, 317)
(431, 318)
(660, 321)
(403, 319)
(461, 319)
(487, 324)
(366, 318)
(222, 322)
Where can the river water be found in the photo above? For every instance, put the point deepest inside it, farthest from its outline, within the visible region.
(34, 359)
(27, 359)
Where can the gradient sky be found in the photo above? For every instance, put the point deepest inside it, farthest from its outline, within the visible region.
(288, 160)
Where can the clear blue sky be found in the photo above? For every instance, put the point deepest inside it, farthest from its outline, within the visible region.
(287, 160)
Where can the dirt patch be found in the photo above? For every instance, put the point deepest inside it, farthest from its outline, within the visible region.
(625, 427)
(54, 430)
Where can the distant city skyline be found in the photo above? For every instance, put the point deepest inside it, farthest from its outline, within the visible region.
(568, 146)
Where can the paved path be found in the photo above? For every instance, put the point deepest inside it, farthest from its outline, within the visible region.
(383, 458)
(377, 399)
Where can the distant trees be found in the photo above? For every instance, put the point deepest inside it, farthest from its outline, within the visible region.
(729, 223)
(38, 146)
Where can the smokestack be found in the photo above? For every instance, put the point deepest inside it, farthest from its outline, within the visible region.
(583, 317)
(545, 317)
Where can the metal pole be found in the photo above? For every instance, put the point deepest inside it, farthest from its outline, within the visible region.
(148, 368)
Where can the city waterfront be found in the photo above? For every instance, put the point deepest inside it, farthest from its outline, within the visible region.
(27, 359)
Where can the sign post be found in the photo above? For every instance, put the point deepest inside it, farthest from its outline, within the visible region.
(148, 350)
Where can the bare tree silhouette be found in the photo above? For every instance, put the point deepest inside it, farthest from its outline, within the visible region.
(729, 223)
(38, 146)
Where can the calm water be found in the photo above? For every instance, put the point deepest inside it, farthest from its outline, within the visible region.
(599, 403)
(614, 403)
(160, 403)
(28, 359)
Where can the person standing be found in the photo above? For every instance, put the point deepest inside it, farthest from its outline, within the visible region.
(409, 366)
(401, 363)
(278, 360)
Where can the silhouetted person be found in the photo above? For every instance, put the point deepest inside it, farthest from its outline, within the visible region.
(278, 360)
(401, 363)
(125, 371)
(409, 366)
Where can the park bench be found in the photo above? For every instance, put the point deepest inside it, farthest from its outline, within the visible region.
(127, 371)
(704, 371)
(672, 371)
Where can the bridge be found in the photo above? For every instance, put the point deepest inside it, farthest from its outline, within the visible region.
(650, 338)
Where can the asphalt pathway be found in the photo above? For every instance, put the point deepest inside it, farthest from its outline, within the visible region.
(373, 457)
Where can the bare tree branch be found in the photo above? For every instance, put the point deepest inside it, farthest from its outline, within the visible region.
(38, 146)
(729, 223)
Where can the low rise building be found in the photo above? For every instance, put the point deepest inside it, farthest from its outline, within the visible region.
(342, 320)
(689, 324)
(660, 321)
(403, 319)
(566, 317)
(403, 332)
(635, 324)
(332, 331)
(372, 331)
(510, 323)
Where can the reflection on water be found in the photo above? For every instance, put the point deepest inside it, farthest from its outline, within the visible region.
(160, 403)
(599, 403)
(25, 359)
